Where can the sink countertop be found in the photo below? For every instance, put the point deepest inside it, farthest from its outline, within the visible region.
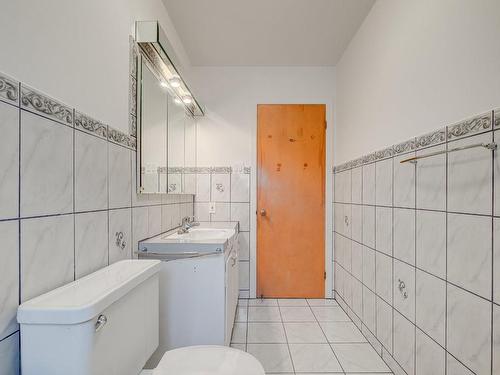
(187, 247)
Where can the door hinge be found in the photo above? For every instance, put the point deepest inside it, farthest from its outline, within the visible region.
(324, 275)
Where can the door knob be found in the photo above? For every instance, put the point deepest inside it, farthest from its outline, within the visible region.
(263, 212)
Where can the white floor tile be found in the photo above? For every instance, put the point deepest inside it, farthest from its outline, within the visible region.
(330, 314)
(275, 358)
(342, 332)
(322, 302)
(270, 333)
(359, 357)
(263, 314)
(241, 314)
(297, 314)
(239, 333)
(262, 302)
(314, 358)
(309, 332)
(292, 302)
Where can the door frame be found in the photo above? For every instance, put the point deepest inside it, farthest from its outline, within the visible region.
(329, 281)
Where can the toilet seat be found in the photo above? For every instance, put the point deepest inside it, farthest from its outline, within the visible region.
(208, 360)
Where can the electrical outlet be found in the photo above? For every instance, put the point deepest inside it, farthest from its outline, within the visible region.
(211, 208)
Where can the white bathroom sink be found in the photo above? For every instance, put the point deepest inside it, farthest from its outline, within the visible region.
(215, 237)
(200, 234)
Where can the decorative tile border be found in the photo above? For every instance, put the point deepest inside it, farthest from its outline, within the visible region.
(133, 68)
(222, 170)
(116, 136)
(89, 125)
(475, 125)
(46, 106)
(9, 89)
(431, 139)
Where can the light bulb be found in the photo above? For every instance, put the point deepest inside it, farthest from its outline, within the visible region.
(175, 82)
(164, 84)
(177, 101)
(187, 99)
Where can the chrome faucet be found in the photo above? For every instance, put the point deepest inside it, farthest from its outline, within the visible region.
(187, 223)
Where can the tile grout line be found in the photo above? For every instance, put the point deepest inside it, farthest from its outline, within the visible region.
(286, 337)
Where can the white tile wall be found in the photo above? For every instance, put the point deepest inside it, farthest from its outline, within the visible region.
(76, 190)
(440, 237)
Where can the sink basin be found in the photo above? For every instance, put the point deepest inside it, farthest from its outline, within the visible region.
(208, 238)
(201, 234)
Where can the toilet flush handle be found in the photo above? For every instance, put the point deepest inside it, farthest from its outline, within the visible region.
(101, 322)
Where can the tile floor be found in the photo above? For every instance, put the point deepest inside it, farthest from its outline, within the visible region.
(298, 336)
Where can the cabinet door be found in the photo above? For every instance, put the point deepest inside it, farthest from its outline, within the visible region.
(232, 290)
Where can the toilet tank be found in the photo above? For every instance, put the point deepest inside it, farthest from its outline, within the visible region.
(103, 324)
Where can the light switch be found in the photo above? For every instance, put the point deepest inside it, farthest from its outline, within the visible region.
(211, 208)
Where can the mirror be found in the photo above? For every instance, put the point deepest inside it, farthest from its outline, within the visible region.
(167, 137)
(153, 133)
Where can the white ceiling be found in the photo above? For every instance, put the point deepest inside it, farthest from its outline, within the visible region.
(266, 32)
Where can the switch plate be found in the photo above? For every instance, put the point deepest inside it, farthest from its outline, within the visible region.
(211, 208)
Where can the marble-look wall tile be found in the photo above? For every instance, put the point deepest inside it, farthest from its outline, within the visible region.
(9, 277)
(430, 357)
(496, 172)
(383, 182)
(154, 220)
(91, 173)
(431, 306)
(120, 234)
(404, 235)
(496, 260)
(244, 243)
(383, 223)
(384, 323)
(241, 212)
(431, 180)
(46, 242)
(369, 267)
(91, 242)
(404, 289)
(469, 329)
(369, 309)
(46, 166)
(356, 223)
(404, 343)
(384, 278)
(455, 367)
(201, 211)
(203, 187)
(369, 226)
(244, 275)
(357, 185)
(357, 297)
(404, 182)
(466, 166)
(431, 242)
(120, 177)
(222, 212)
(140, 227)
(357, 260)
(9, 161)
(9, 355)
(240, 187)
(369, 184)
(496, 339)
(469, 252)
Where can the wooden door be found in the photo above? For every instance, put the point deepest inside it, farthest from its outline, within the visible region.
(291, 200)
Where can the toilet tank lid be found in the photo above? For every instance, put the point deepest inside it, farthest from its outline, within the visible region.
(85, 298)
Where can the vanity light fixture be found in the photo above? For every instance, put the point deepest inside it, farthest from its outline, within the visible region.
(177, 101)
(175, 82)
(156, 49)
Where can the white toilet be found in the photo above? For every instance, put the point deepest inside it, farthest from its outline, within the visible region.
(107, 324)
